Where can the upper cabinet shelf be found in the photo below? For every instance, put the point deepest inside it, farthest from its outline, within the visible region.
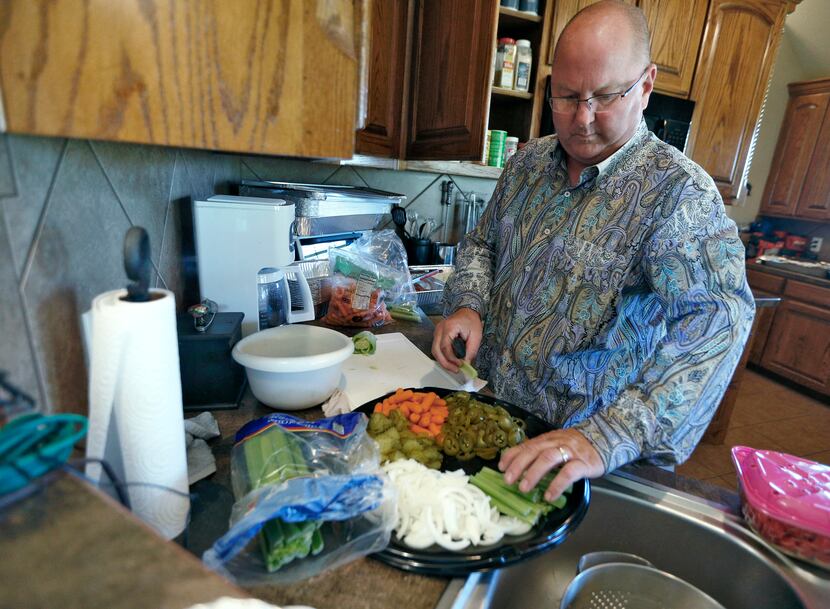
(512, 93)
(515, 111)
(510, 16)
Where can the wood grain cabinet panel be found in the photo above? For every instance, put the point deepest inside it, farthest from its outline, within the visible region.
(808, 293)
(799, 345)
(762, 284)
(385, 130)
(453, 47)
(764, 318)
(739, 46)
(765, 282)
(799, 180)
(793, 153)
(814, 202)
(265, 76)
(676, 31)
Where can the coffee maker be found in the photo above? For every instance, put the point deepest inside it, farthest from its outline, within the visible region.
(236, 237)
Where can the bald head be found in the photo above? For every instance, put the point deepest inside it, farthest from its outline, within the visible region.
(608, 20)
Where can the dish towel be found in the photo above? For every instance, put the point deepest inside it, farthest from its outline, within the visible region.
(338, 403)
(200, 460)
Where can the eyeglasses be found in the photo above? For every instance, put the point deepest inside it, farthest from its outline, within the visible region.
(598, 103)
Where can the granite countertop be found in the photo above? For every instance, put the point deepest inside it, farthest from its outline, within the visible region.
(773, 270)
(65, 544)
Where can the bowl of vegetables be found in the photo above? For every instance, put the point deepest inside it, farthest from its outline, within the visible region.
(456, 514)
(294, 366)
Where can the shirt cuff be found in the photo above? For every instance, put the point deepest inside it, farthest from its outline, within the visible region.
(618, 433)
(465, 301)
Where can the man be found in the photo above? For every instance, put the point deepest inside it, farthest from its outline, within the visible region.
(604, 288)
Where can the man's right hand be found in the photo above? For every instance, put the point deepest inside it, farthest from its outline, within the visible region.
(465, 324)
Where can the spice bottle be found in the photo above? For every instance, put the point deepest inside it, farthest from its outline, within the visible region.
(511, 144)
(505, 63)
(524, 59)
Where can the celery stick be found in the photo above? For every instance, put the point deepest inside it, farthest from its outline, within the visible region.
(508, 499)
(317, 542)
(505, 501)
(470, 372)
(404, 313)
(365, 343)
(272, 457)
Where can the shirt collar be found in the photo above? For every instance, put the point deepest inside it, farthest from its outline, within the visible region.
(603, 166)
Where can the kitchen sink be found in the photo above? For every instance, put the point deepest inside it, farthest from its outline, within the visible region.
(686, 536)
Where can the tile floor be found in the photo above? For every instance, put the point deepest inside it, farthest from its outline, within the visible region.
(767, 415)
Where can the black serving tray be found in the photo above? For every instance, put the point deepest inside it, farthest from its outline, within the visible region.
(547, 534)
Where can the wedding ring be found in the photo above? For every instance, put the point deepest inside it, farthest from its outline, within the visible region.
(565, 456)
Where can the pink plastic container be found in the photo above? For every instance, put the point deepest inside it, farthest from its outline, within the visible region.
(786, 500)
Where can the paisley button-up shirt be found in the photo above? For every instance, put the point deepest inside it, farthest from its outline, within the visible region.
(619, 306)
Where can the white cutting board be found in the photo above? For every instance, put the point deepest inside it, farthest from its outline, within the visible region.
(396, 363)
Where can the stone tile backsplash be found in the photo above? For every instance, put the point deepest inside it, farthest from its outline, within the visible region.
(65, 206)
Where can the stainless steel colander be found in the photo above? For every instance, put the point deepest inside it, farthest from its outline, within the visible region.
(632, 586)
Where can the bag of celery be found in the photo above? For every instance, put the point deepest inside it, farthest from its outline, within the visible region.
(292, 479)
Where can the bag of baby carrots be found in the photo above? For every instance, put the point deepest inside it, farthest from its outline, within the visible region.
(364, 277)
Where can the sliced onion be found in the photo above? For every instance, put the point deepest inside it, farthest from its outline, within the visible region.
(444, 508)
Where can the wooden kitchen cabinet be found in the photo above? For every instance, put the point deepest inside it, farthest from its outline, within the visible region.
(799, 344)
(792, 339)
(452, 59)
(763, 284)
(385, 132)
(676, 31)
(256, 76)
(429, 79)
(740, 43)
(814, 200)
(798, 146)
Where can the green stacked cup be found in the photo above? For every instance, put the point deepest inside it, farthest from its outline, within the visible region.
(495, 158)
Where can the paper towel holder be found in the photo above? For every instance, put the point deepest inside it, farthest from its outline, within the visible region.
(137, 264)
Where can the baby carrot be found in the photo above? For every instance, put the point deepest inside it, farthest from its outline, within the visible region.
(400, 396)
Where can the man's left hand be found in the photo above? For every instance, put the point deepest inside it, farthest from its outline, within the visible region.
(532, 459)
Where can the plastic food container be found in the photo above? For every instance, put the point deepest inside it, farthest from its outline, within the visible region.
(786, 500)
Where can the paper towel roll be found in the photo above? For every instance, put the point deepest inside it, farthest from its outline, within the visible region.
(136, 421)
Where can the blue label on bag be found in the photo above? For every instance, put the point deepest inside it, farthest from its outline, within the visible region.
(341, 425)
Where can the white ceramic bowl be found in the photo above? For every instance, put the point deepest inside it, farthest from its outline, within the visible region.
(294, 366)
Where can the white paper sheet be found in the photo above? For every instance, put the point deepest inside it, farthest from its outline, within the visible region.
(396, 363)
